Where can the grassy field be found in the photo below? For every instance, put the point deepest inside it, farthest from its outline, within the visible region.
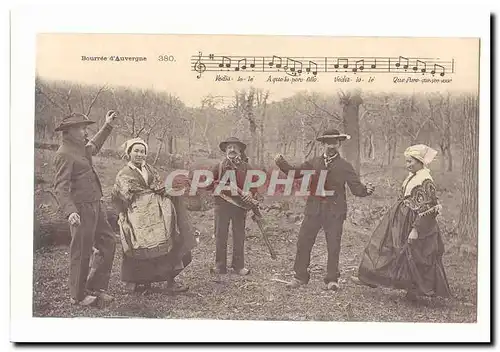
(259, 296)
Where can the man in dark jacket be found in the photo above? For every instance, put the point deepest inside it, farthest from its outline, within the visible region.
(326, 206)
(78, 190)
(227, 209)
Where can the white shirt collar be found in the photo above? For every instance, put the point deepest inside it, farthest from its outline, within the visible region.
(143, 172)
(330, 157)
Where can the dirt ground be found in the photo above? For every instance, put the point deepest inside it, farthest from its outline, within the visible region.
(259, 296)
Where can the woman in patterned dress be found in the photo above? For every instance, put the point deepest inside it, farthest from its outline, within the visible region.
(155, 229)
(405, 251)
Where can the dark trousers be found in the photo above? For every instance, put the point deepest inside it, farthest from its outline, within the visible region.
(332, 225)
(94, 231)
(224, 214)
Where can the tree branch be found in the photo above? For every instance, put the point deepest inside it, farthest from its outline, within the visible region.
(363, 115)
(95, 98)
(81, 102)
(140, 131)
(53, 102)
(306, 113)
(331, 114)
(68, 96)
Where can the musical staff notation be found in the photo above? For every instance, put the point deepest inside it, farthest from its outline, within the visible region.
(296, 66)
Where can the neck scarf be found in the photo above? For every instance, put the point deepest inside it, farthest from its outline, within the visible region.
(329, 159)
(236, 160)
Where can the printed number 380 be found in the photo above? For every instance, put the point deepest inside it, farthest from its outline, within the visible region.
(166, 58)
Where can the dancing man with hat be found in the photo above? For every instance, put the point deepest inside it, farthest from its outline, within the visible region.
(78, 191)
(325, 208)
(226, 206)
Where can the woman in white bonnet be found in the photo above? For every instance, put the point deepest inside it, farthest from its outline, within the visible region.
(155, 230)
(405, 250)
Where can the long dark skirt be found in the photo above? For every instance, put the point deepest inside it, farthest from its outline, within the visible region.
(164, 268)
(167, 267)
(143, 271)
(388, 259)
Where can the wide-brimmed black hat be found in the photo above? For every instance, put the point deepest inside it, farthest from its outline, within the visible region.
(223, 144)
(331, 135)
(75, 119)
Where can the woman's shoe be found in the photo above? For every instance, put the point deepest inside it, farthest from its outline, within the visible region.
(175, 287)
(411, 296)
(137, 288)
(357, 281)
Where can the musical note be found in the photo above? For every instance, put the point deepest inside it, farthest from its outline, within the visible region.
(253, 64)
(415, 68)
(315, 71)
(272, 62)
(433, 72)
(398, 64)
(199, 66)
(224, 63)
(295, 66)
(291, 70)
(240, 66)
(361, 67)
(346, 63)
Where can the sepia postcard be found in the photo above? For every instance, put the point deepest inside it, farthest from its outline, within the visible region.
(200, 179)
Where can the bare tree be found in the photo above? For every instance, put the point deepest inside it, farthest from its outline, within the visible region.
(206, 118)
(367, 133)
(467, 225)
(262, 110)
(170, 124)
(246, 106)
(63, 98)
(315, 116)
(441, 112)
(350, 111)
(251, 105)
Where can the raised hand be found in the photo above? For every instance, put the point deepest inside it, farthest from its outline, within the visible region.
(111, 116)
(279, 158)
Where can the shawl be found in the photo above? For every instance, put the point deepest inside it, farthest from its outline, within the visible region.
(414, 180)
(419, 193)
(147, 217)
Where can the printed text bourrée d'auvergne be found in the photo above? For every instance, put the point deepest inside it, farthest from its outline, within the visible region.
(114, 58)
